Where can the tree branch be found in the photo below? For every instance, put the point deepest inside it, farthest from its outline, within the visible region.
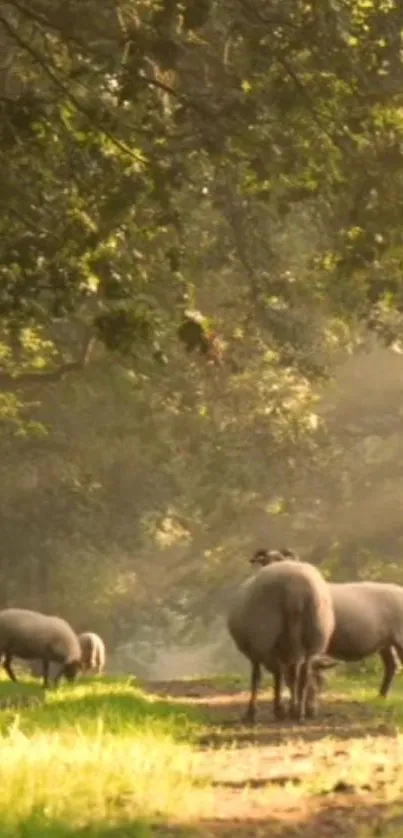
(60, 85)
(10, 383)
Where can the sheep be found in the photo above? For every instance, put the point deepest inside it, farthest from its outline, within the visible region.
(92, 651)
(368, 620)
(31, 635)
(282, 618)
(92, 656)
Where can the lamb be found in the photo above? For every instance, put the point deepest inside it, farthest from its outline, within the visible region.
(31, 635)
(282, 618)
(93, 652)
(368, 620)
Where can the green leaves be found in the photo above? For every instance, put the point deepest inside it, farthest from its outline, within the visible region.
(122, 329)
(124, 118)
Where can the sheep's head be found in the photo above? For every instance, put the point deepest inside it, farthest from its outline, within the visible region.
(71, 670)
(317, 681)
(265, 557)
(319, 665)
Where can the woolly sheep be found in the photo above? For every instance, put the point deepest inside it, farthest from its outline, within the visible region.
(92, 652)
(282, 618)
(30, 635)
(92, 656)
(368, 620)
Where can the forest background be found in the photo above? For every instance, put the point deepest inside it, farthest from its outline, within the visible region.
(201, 304)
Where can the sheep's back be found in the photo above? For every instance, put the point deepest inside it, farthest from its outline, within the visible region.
(269, 602)
(29, 634)
(369, 615)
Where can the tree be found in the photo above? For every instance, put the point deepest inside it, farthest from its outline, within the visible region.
(201, 211)
(116, 124)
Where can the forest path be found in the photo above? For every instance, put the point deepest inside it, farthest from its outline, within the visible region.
(340, 775)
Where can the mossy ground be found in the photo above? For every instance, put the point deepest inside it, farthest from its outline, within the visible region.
(114, 759)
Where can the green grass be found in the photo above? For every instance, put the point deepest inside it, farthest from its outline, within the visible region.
(97, 759)
(103, 759)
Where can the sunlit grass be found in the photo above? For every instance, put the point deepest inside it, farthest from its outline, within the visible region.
(82, 780)
(104, 759)
(98, 756)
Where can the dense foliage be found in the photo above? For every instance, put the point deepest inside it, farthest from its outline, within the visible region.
(200, 219)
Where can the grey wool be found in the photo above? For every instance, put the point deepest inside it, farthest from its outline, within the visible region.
(368, 619)
(281, 619)
(30, 635)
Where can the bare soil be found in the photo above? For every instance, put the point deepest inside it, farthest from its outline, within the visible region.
(341, 775)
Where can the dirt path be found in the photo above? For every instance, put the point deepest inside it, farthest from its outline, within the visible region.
(335, 777)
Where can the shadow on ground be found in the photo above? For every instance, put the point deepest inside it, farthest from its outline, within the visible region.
(350, 817)
(223, 706)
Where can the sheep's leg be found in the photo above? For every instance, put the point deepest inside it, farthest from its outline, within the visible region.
(316, 683)
(311, 699)
(45, 673)
(304, 678)
(256, 677)
(7, 666)
(389, 661)
(278, 708)
(58, 675)
(294, 680)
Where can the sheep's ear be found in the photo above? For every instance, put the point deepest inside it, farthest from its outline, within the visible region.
(259, 557)
(286, 553)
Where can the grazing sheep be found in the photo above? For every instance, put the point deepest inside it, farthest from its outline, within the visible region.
(30, 635)
(282, 618)
(92, 656)
(368, 620)
(92, 651)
